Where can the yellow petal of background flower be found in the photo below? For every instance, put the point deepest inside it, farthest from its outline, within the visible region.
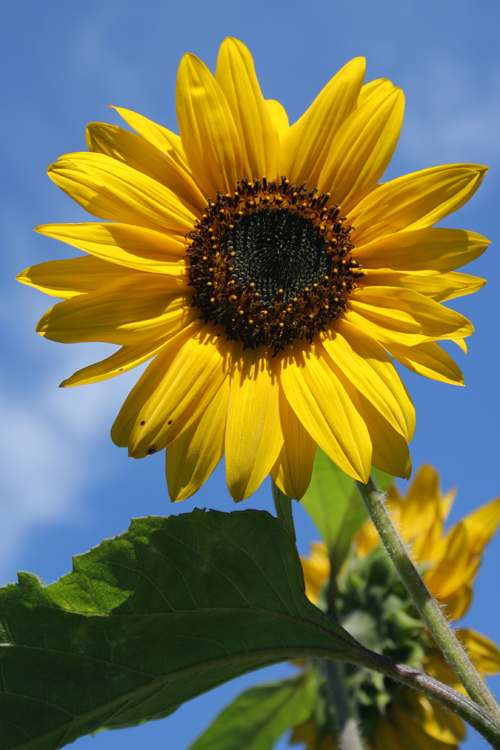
(481, 525)
(207, 128)
(321, 403)
(280, 117)
(192, 458)
(414, 201)
(124, 359)
(316, 570)
(483, 652)
(174, 391)
(292, 471)
(422, 504)
(306, 145)
(143, 156)
(430, 249)
(437, 722)
(138, 248)
(362, 148)
(402, 316)
(258, 133)
(132, 310)
(253, 432)
(437, 286)
(428, 360)
(455, 570)
(110, 190)
(370, 370)
(68, 278)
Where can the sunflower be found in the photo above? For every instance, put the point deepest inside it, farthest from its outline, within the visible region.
(266, 272)
(372, 603)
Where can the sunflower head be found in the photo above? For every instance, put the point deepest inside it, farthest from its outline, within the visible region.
(267, 273)
(372, 603)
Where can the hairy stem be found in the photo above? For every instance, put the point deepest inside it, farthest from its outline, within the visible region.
(347, 727)
(428, 608)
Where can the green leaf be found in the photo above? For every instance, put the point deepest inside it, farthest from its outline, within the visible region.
(150, 619)
(336, 507)
(259, 716)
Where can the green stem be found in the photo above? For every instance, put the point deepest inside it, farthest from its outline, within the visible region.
(428, 608)
(283, 506)
(346, 722)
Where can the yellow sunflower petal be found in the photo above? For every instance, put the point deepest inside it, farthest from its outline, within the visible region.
(207, 128)
(306, 145)
(387, 737)
(373, 88)
(455, 570)
(292, 471)
(142, 155)
(390, 449)
(371, 371)
(165, 141)
(253, 432)
(431, 249)
(362, 149)
(402, 316)
(316, 569)
(258, 133)
(422, 504)
(457, 605)
(440, 287)
(110, 190)
(121, 361)
(322, 405)
(428, 360)
(280, 117)
(481, 525)
(69, 278)
(150, 381)
(414, 201)
(483, 652)
(415, 734)
(192, 458)
(132, 310)
(173, 392)
(461, 345)
(136, 247)
(436, 721)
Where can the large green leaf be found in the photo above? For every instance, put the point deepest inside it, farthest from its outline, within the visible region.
(259, 716)
(150, 619)
(336, 507)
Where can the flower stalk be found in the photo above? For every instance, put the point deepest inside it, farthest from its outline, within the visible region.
(428, 608)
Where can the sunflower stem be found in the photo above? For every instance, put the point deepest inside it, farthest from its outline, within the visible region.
(346, 724)
(428, 608)
(283, 505)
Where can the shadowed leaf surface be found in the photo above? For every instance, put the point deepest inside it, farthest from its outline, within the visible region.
(150, 619)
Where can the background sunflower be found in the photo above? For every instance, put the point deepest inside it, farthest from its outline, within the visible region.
(64, 64)
(372, 604)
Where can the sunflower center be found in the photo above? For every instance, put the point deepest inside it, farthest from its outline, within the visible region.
(271, 263)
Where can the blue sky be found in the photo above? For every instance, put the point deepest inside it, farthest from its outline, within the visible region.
(64, 486)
